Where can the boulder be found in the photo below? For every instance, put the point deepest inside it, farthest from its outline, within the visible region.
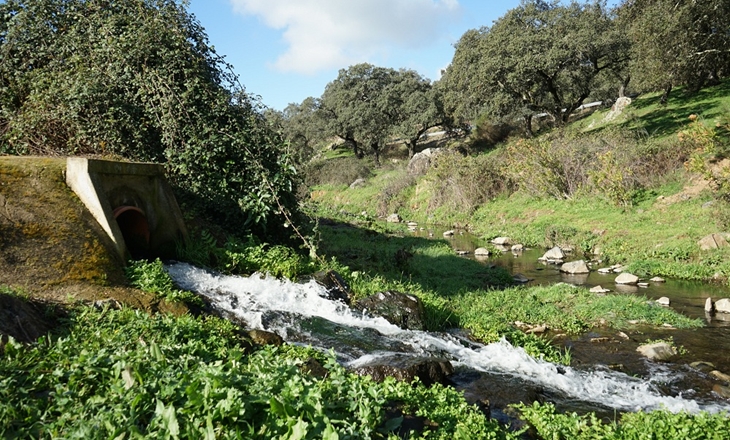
(712, 241)
(626, 278)
(719, 375)
(605, 270)
(553, 254)
(599, 289)
(617, 108)
(359, 183)
(401, 309)
(657, 280)
(657, 351)
(421, 162)
(501, 241)
(518, 248)
(709, 306)
(519, 278)
(394, 218)
(449, 233)
(406, 368)
(575, 267)
(337, 287)
(663, 301)
(722, 305)
(262, 337)
(481, 252)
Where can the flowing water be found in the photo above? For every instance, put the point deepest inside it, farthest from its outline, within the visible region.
(504, 374)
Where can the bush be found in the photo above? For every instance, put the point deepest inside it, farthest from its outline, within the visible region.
(338, 171)
(391, 198)
(463, 183)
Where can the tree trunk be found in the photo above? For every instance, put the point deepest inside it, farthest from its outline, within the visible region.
(528, 126)
(623, 86)
(411, 144)
(665, 95)
(376, 152)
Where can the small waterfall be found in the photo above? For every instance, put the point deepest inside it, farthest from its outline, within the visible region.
(301, 314)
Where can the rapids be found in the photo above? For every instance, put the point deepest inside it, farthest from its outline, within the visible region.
(300, 313)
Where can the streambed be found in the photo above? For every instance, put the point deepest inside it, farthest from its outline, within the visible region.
(606, 348)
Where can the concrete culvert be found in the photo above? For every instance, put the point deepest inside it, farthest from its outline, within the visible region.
(135, 230)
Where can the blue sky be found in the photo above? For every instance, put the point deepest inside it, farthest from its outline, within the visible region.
(287, 50)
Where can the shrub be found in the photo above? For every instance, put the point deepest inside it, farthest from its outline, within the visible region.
(338, 171)
(462, 183)
(392, 197)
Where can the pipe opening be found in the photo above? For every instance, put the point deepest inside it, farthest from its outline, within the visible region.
(135, 230)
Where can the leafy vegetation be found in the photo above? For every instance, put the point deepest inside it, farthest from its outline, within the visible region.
(153, 278)
(631, 426)
(123, 372)
(138, 79)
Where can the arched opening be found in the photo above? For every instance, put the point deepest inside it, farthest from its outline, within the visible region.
(135, 230)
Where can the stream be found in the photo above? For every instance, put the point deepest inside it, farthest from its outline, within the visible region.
(607, 377)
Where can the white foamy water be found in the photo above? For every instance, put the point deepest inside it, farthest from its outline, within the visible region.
(251, 298)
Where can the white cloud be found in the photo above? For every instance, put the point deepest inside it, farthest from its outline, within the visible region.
(326, 34)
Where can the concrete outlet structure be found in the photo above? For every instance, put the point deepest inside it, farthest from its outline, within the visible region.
(132, 202)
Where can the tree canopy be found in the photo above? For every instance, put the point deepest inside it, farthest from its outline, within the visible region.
(138, 79)
(539, 57)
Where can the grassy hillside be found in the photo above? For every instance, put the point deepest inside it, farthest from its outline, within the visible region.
(620, 188)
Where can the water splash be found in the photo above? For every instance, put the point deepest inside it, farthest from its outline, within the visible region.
(300, 312)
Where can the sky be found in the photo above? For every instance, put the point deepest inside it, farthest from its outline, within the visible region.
(287, 50)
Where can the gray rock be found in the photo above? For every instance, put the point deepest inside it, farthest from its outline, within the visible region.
(481, 252)
(575, 267)
(518, 248)
(605, 270)
(359, 183)
(262, 337)
(337, 287)
(626, 278)
(709, 306)
(449, 233)
(421, 162)
(553, 254)
(657, 280)
(599, 289)
(713, 241)
(405, 311)
(502, 241)
(643, 284)
(406, 368)
(722, 305)
(519, 278)
(663, 301)
(394, 218)
(658, 351)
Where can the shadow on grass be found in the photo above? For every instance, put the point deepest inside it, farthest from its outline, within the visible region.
(430, 264)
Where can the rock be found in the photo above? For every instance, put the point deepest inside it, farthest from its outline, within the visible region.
(501, 241)
(709, 307)
(337, 287)
(705, 367)
(542, 328)
(722, 305)
(394, 218)
(405, 311)
(657, 280)
(617, 268)
(626, 278)
(721, 390)
(658, 351)
(605, 270)
(462, 252)
(617, 108)
(720, 376)
(406, 368)
(553, 254)
(600, 340)
(421, 162)
(623, 335)
(712, 241)
(519, 278)
(663, 301)
(262, 337)
(575, 267)
(359, 183)
(599, 289)
(481, 252)
(413, 225)
(645, 285)
(449, 233)
(518, 248)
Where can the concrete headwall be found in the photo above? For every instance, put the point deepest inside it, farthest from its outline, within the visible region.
(132, 202)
